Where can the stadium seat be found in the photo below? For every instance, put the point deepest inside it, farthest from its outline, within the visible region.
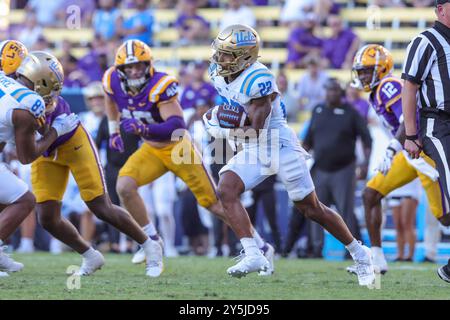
(83, 35)
(414, 15)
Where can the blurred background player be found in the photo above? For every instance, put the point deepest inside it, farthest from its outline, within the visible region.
(372, 69)
(403, 203)
(159, 198)
(114, 161)
(74, 152)
(90, 119)
(144, 102)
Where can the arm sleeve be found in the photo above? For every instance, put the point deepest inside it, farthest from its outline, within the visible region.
(163, 131)
(420, 56)
(396, 108)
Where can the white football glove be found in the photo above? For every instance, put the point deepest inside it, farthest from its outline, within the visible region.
(65, 123)
(212, 125)
(385, 164)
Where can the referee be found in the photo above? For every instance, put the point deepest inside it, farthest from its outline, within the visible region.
(426, 72)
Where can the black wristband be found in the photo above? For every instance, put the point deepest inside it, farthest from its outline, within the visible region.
(413, 137)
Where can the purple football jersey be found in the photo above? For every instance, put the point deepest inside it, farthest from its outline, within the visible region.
(387, 102)
(143, 106)
(61, 107)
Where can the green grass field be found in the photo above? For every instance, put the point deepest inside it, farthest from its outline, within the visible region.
(202, 278)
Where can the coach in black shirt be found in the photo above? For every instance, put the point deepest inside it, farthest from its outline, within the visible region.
(332, 134)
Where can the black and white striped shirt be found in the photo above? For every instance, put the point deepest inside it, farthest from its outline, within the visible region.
(428, 64)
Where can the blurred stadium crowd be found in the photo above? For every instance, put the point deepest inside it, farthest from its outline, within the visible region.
(304, 41)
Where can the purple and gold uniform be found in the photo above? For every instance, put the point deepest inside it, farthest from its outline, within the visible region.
(72, 152)
(149, 162)
(386, 100)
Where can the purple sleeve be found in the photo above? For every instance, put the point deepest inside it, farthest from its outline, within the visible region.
(61, 108)
(396, 108)
(327, 48)
(179, 22)
(390, 94)
(170, 92)
(294, 35)
(163, 131)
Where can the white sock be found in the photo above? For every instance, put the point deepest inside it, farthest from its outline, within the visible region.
(355, 249)
(89, 253)
(146, 244)
(150, 229)
(259, 241)
(1, 244)
(26, 242)
(167, 228)
(250, 247)
(376, 251)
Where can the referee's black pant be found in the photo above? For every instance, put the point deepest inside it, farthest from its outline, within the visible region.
(435, 132)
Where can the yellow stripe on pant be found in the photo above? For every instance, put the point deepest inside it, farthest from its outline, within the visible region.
(49, 175)
(401, 173)
(149, 163)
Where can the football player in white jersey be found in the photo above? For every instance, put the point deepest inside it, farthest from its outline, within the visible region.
(21, 115)
(242, 81)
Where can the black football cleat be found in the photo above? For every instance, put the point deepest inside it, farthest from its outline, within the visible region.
(444, 273)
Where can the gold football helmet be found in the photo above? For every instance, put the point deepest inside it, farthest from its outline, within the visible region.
(371, 64)
(12, 52)
(134, 51)
(45, 73)
(241, 42)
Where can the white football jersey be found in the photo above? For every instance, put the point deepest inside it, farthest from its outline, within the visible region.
(255, 82)
(13, 95)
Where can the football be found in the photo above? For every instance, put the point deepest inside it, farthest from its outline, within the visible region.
(230, 116)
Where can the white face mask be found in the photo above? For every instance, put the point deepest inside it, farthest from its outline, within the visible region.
(136, 83)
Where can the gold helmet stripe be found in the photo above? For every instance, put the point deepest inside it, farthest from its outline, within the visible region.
(361, 54)
(106, 81)
(130, 48)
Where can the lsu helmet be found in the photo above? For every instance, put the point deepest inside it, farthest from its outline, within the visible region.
(240, 41)
(371, 59)
(12, 52)
(133, 51)
(46, 74)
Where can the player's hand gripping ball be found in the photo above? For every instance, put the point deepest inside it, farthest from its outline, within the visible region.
(229, 116)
